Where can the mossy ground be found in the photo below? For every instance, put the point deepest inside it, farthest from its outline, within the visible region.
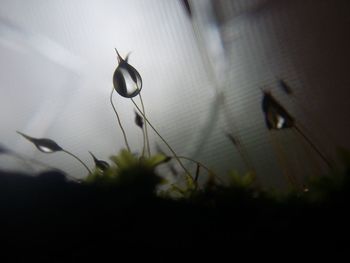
(52, 218)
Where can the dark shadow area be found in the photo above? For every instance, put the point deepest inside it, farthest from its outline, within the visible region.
(48, 217)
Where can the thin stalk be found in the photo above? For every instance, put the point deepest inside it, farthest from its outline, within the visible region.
(78, 159)
(196, 162)
(314, 122)
(244, 158)
(146, 131)
(218, 89)
(197, 176)
(313, 146)
(237, 144)
(165, 142)
(281, 161)
(200, 165)
(315, 167)
(144, 142)
(119, 122)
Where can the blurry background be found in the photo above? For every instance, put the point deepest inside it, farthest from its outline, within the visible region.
(203, 65)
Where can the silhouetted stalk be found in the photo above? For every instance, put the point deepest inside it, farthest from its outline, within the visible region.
(244, 157)
(284, 157)
(313, 146)
(144, 142)
(160, 136)
(313, 121)
(281, 161)
(315, 167)
(78, 159)
(246, 161)
(197, 174)
(146, 132)
(214, 79)
(196, 162)
(199, 164)
(120, 124)
(237, 143)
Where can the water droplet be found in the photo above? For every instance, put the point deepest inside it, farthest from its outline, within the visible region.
(276, 116)
(45, 149)
(127, 80)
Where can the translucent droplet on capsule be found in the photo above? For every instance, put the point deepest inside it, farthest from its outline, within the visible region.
(127, 80)
(44, 145)
(44, 149)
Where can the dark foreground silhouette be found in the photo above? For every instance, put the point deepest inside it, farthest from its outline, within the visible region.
(54, 220)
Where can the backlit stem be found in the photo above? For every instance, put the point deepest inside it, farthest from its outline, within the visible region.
(78, 159)
(146, 132)
(189, 177)
(119, 122)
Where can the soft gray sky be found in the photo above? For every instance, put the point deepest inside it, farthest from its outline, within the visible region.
(57, 62)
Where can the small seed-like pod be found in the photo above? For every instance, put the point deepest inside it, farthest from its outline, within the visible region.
(100, 164)
(43, 145)
(49, 146)
(276, 116)
(138, 120)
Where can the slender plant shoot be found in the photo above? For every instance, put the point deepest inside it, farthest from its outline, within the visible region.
(119, 122)
(188, 175)
(146, 130)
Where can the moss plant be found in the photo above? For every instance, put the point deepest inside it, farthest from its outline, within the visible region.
(120, 204)
(137, 171)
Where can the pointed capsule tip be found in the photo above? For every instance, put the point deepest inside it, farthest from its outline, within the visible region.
(93, 156)
(120, 59)
(24, 135)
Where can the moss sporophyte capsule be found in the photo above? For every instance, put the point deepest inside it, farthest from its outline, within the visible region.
(127, 80)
